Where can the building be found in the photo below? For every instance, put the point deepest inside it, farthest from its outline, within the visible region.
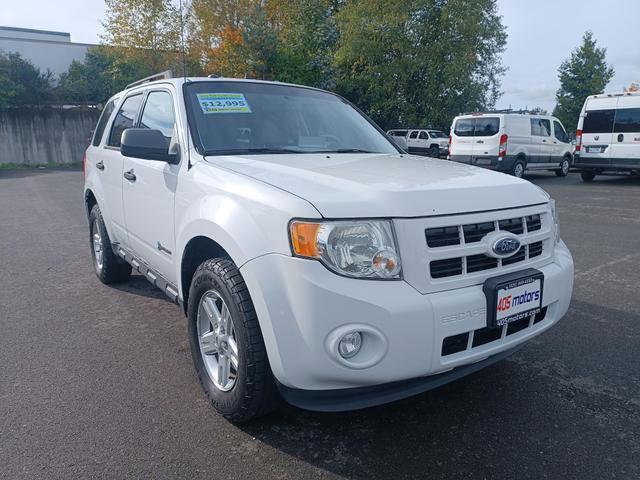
(45, 49)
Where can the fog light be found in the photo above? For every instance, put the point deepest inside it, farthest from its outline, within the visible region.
(350, 344)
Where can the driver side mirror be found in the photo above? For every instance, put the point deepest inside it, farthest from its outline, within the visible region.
(146, 144)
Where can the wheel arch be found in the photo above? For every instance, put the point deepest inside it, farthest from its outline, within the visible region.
(89, 200)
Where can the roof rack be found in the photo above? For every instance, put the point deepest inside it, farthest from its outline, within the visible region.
(152, 78)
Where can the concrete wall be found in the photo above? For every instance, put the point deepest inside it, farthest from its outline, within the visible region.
(40, 136)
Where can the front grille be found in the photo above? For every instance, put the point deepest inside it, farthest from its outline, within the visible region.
(482, 336)
(446, 268)
(468, 234)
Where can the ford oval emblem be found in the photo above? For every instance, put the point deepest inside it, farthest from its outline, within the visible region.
(506, 246)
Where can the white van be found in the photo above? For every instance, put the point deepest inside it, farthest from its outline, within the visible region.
(428, 142)
(608, 136)
(511, 142)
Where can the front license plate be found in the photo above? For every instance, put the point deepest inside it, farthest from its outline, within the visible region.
(513, 297)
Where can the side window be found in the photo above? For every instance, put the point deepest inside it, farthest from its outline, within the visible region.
(423, 136)
(125, 119)
(102, 123)
(627, 120)
(598, 121)
(414, 134)
(559, 132)
(540, 127)
(158, 114)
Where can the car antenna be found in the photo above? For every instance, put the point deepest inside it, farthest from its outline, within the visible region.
(184, 76)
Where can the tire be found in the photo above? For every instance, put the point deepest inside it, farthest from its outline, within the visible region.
(108, 266)
(587, 176)
(248, 390)
(434, 151)
(518, 169)
(565, 165)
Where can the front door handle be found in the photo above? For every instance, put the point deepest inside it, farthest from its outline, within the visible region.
(100, 165)
(620, 137)
(480, 141)
(544, 140)
(130, 175)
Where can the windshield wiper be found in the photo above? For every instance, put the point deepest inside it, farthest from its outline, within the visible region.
(346, 150)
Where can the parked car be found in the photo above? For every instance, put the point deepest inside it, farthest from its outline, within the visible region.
(315, 261)
(511, 143)
(433, 143)
(609, 135)
(400, 137)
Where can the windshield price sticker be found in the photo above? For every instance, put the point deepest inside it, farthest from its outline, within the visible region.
(223, 103)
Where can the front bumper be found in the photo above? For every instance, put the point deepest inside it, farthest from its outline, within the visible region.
(302, 307)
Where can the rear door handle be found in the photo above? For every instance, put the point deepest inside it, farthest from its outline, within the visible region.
(620, 137)
(480, 141)
(544, 140)
(130, 175)
(100, 165)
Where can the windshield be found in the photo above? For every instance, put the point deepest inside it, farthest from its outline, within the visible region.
(437, 134)
(245, 117)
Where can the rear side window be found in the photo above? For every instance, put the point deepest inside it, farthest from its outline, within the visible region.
(598, 121)
(465, 127)
(398, 133)
(560, 134)
(487, 126)
(158, 114)
(423, 136)
(102, 123)
(627, 120)
(125, 119)
(414, 134)
(540, 127)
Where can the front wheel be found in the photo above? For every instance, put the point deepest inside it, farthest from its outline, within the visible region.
(518, 169)
(434, 151)
(564, 168)
(587, 176)
(226, 343)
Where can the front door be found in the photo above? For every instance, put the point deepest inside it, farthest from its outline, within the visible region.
(149, 192)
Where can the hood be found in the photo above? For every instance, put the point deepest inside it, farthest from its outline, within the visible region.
(381, 185)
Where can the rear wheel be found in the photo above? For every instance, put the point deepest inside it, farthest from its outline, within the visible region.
(108, 266)
(563, 171)
(226, 343)
(587, 176)
(518, 169)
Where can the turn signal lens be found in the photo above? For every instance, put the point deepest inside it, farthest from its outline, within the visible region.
(304, 238)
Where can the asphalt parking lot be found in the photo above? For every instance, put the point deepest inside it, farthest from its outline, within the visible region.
(97, 382)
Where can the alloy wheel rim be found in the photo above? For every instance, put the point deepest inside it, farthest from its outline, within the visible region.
(217, 341)
(97, 246)
(519, 171)
(565, 167)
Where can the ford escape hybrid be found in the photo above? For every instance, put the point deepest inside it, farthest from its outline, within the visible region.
(315, 262)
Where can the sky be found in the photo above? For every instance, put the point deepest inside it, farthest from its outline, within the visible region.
(541, 33)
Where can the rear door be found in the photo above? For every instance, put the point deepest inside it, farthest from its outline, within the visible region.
(560, 142)
(412, 140)
(462, 139)
(625, 144)
(486, 138)
(597, 131)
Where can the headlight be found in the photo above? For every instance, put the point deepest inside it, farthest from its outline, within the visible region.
(358, 248)
(554, 215)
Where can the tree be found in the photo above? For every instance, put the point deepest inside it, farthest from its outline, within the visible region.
(420, 62)
(21, 83)
(584, 73)
(144, 31)
(538, 111)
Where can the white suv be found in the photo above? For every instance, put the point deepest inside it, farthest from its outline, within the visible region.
(428, 142)
(511, 143)
(315, 262)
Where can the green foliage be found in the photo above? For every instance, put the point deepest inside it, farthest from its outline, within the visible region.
(420, 62)
(21, 83)
(584, 73)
